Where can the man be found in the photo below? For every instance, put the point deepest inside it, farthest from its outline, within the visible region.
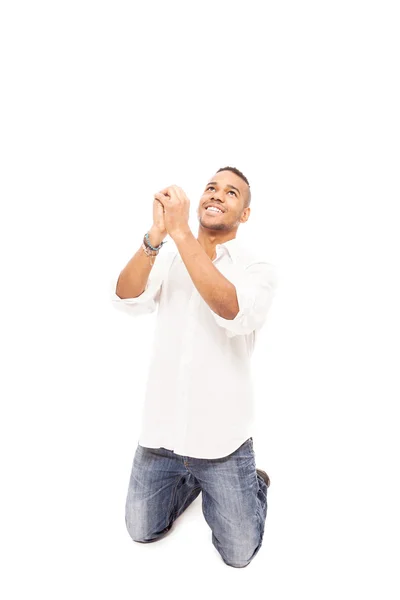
(213, 296)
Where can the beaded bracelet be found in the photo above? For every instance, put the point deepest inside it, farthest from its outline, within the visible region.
(147, 247)
(148, 252)
(147, 242)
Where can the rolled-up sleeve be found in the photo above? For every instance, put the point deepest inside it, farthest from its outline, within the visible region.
(148, 300)
(255, 289)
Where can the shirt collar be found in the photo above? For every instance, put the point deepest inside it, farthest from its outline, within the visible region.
(231, 246)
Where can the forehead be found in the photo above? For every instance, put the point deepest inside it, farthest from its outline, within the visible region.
(226, 178)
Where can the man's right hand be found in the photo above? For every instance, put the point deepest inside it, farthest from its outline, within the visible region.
(158, 231)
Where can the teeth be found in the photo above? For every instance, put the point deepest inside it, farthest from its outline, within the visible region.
(214, 209)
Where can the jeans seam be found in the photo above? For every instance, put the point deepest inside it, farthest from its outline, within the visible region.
(188, 496)
(171, 504)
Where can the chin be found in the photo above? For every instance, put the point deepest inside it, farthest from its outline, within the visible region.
(218, 227)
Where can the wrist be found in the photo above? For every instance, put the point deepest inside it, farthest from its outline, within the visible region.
(181, 235)
(156, 236)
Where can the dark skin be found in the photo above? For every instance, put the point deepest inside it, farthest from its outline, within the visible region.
(228, 191)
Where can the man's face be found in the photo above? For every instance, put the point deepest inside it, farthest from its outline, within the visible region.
(227, 191)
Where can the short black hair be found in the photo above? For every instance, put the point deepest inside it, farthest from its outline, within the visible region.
(240, 174)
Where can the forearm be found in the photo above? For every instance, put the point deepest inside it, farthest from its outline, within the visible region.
(134, 276)
(215, 289)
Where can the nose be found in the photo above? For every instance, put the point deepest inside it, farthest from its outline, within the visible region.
(217, 196)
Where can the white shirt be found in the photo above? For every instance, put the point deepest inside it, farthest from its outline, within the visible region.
(199, 397)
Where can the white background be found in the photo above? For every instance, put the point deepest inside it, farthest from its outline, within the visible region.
(103, 104)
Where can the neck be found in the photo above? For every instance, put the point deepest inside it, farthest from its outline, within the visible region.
(209, 241)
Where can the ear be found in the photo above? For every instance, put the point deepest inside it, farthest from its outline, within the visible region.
(245, 215)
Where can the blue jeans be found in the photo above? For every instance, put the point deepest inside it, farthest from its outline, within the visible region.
(163, 484)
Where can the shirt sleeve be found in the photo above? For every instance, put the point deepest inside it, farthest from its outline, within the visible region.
(149, 299)
(255, 289)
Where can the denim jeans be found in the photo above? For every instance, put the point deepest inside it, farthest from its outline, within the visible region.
(234, 501)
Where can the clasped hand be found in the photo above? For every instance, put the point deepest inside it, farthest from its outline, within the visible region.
(176, 210)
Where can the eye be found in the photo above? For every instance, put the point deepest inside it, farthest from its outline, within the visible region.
(232, 192)
(210, 187)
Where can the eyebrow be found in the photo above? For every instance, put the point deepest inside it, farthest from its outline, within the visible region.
(228, 185)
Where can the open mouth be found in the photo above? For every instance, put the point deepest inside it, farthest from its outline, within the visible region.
(213, 210)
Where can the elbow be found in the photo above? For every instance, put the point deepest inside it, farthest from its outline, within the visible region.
(231, 316)
(230, 312)
(124, 296)
(124, 292)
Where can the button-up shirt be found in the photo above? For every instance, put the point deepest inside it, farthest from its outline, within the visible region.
(199, 397)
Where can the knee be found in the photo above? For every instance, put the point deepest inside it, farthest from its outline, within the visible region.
(141, 535)
(136, 522)
(239, 559)
(238, 555)
(237, 565)
(134, 531)
(135, 527)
